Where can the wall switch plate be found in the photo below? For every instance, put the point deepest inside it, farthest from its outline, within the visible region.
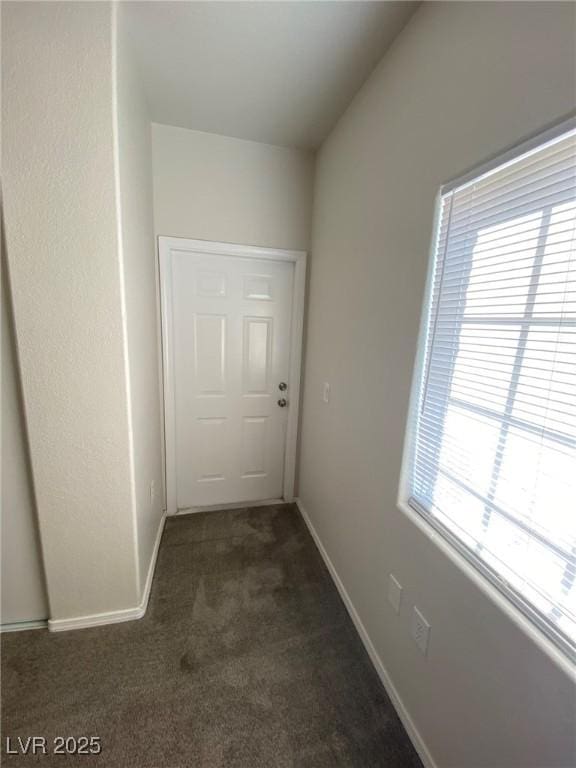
(326, 392)
(394, 593)
(420, 630)
(152, 492)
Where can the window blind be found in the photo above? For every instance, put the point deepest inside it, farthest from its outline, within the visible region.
(493, 462)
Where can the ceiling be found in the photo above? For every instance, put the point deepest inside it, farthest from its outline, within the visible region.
(275, 72)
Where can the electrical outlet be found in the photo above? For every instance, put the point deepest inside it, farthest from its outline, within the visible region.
(152, 492)
(420, 630)
(394, 593)
(326, 392)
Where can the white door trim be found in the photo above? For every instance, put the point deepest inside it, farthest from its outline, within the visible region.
(166, 245)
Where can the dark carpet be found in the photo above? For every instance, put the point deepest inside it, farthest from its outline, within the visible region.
(246, 658)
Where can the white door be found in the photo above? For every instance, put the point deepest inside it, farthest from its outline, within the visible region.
(231, 331)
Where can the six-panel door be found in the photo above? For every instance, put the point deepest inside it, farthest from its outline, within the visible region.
(231, 327)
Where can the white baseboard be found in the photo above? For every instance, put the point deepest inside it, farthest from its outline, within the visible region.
(403, 714)
(221, 507)
(20, 626)
(124, 614)
(96, 619)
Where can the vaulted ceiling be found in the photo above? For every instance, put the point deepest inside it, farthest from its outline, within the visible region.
(276, 72)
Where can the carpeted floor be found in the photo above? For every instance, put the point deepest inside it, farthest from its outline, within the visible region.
(246, 658)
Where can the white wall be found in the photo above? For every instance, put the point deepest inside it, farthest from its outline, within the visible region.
(462, 81)
(213, 187)
(63, 251)
(23, 591)
(140, 287)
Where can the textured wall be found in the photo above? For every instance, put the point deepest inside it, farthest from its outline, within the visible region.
(139, 265)
(217, 188)
(62, 245)
(23, 590)
(460, 83)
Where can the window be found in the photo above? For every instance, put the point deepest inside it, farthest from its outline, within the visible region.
(491, 455)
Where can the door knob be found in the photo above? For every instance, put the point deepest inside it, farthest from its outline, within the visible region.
(282, 386)
(282, 402)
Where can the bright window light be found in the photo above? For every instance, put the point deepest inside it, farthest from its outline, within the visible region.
(491, 458)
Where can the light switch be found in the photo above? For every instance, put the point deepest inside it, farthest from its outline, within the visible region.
(420, 630)
(326, 392)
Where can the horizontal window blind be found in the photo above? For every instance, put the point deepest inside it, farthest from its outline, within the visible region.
(493, 462)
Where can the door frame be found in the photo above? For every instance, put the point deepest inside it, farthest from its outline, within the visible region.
(166, 245)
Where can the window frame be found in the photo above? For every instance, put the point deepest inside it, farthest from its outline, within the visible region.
(489, 580)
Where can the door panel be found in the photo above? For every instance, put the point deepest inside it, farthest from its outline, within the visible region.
(231, 328)
(257, 355)
(254, 446)
(210, 346)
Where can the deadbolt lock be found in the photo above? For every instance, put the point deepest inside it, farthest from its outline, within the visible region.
(282, 386)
